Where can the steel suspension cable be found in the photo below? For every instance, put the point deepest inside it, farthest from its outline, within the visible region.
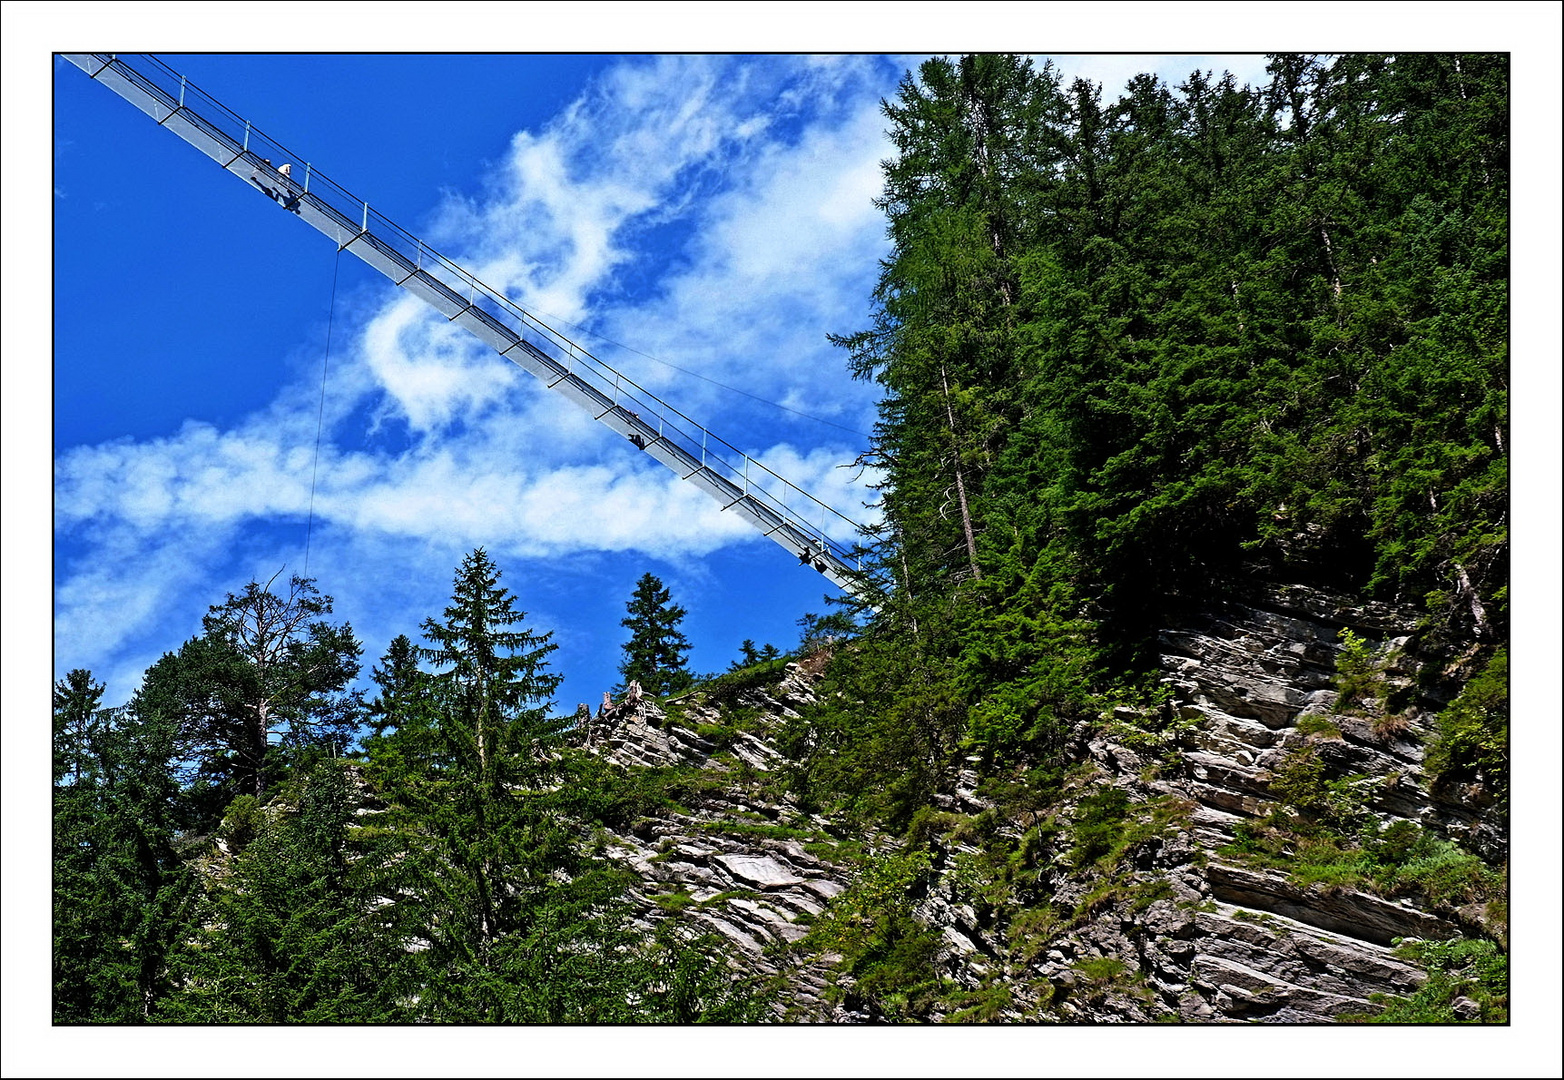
(320, 415)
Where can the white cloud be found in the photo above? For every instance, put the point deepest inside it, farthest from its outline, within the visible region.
(126, 589)
(430, 370)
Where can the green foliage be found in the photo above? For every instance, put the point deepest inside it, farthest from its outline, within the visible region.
(1307, 800)
(401, 687)
(1400, 861)
(121, 888)
(242, 823)
(654, 655)
(674, 902)
(1032, 930)
(267, 679)
(78, 729)
(1358, 678)
(881, 737)
(986, 1005)
(1129, 350)
(886, 951)
(1097, 825)
(459, 876)
(491, 820)
(1318, 726)
(481, 834)
(726, 688)
(1475, 970)
(294, 933)
(1101, 969)
(1474, 730)
(1153, 730)
(749, 656)
(1130, 347)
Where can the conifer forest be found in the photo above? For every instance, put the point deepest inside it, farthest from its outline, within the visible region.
(1144, 365)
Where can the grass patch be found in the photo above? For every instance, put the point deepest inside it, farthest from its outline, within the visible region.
(675, 902)
(1468, 982)
(981, 1006)
(1318, 727)
(1402, 860)
(1101, 969)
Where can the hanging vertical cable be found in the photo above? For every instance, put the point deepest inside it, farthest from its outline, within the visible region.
(320, 415)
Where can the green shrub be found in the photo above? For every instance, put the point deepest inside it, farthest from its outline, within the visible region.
(886, 951)
(242, 823)
(1460, 968)
(1356, 671)
(1306, 800)
(1097, 825)
(1473, 732)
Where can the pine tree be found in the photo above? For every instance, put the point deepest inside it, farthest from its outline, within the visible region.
(78, 726)
(655, 654)
(490, 679)
(974, 145)
(473, 787)
(749, 656)
(513, 918)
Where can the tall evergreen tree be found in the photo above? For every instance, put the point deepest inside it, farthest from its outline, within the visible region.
(78, 729)
(655, 654)
(513, 918)
(974, 145)
(474, 791)
(121, 888)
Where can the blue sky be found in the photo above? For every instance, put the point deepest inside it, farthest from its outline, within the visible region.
(714, 212)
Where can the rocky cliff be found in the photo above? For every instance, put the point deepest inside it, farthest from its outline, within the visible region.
(1141, 891)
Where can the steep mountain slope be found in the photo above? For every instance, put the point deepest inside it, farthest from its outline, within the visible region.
(1142, 892)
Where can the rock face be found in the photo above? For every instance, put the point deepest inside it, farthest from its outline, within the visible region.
(735, 863)
(1183, 932)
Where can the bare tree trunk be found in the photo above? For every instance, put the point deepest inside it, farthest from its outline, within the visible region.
(1479, 614)
(1464, 586)
(1330, 261)
(961, 486)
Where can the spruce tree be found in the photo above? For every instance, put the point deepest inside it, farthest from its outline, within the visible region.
(490, 870)
(510, 916)
(401, 687)
(655, 654)
(120, 887)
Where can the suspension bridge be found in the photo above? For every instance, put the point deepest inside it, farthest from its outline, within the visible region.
(812, 531)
